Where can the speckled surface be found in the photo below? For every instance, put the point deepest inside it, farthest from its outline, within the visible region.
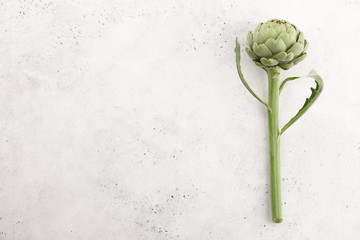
(126, 120)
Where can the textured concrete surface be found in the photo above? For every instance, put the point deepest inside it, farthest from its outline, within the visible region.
(127, 120)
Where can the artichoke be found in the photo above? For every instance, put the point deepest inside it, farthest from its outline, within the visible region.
(276, 43)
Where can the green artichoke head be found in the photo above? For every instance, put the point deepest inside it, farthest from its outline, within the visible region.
(276, 43)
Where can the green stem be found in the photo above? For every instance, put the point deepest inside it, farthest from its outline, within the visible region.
(274, 146)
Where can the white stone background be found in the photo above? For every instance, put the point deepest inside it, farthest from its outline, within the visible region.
(127, 120)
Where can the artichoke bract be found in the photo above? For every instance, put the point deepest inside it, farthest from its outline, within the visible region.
(276, 43)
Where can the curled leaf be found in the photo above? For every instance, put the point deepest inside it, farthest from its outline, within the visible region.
(315, 93)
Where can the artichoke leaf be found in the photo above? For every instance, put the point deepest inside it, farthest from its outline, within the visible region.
(285, 81)
(238, 57)
(315, 93)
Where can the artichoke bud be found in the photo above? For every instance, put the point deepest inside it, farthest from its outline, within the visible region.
(276, 43)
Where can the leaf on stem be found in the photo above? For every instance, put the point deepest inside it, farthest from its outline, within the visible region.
(238, 57)
(315, 93)
(285, 81)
